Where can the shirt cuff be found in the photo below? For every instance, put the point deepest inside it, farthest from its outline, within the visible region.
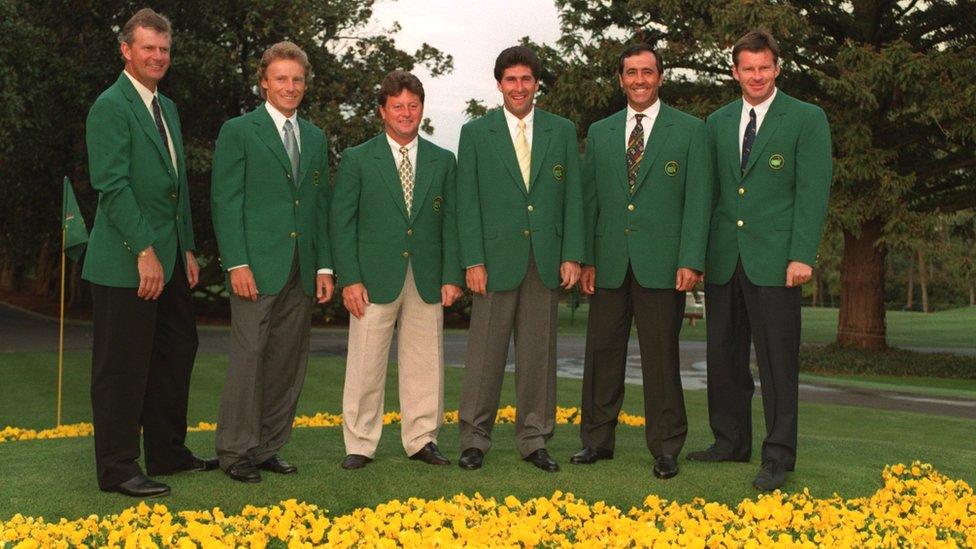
(324, 271)
(229, 269)
(475, 265)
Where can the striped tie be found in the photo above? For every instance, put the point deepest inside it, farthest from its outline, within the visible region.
(523, 153)
(635, 152)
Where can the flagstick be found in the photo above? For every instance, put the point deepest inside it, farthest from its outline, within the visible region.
(64, 231)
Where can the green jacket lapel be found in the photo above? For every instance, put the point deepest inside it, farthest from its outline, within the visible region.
(767, 129)
(386, 166)
(655, 142)
(541, 134)
(174, 133)
(142, 115)
(616, 140)
(268, 134)
(502, 141)
(307, 146)
(426, 160)
(729, 133)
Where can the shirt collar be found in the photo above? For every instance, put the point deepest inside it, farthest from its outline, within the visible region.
(144, 93)
(279, 119)
(762, 108)
(396, 146)
(513, 120)
(650, 112)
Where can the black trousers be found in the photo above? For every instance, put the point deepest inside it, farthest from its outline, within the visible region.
(659, 314)
(142, 356)
(770, 316)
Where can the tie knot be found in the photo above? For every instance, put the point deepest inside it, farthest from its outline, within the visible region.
(288, 125)
(521, 125)
(403, 151)
(752, 114)
(639, 117)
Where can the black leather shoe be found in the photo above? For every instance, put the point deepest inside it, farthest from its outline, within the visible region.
(355, 461)
(243, 471)
(430, 454)
(665, 466)
(193, 465)
(540, 458)
(471, 459)
(140, 486)
(712, 455)
(590, 455)
(770, 477)
(277, 465)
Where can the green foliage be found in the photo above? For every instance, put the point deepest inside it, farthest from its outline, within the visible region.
(838, 359)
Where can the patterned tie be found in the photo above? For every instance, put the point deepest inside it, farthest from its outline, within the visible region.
(635, 152)
(406, 178)
(748, 138)
(291, 148)
(159, 122)
(523, 153)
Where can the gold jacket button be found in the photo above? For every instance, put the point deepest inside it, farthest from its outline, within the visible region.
(630, 207)
(526, 232)
(406, 254)
(742, 191)
(410, 232)
(740, 223)
(530, 208)
(293, 234)
(626, 231)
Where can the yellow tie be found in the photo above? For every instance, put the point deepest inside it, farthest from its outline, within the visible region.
(523, 153)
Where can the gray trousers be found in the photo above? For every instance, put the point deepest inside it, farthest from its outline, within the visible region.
(530, 312)
(268, 358)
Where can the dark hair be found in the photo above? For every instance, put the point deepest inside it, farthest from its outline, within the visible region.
(282, 50)
(635, 49)
(755, 41)
(395, 82)
(145, 18)
(517, 55)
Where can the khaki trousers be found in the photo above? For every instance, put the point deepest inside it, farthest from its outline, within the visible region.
(420, 354)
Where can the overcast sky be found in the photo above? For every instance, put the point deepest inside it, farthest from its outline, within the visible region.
(474, 32)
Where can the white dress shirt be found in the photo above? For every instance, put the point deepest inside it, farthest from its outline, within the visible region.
(411, 152)
(761, 110)
(147, 98)
(513, 121)
(647, 123)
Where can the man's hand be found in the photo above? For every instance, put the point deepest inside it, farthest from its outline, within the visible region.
(355, 299)
(798, 273)
(569, 272)
(449, 294)
(150, 275)
(242, 283)
(685, 279)
(324, 286)
(192, 270)
(587, 280)
(477, 279)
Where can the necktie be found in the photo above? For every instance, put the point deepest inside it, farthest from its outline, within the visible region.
(748, 138)
(635, 152)
(523, 153)
(406, 178)
(159, 122)
(291, 148)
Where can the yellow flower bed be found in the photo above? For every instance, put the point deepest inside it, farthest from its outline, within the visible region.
(916, 506)
(322, 419)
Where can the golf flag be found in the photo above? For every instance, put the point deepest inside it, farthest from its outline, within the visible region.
(75, 230)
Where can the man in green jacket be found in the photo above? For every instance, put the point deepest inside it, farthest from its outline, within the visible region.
(141, 265)
(520, 221)
(773, 169)
(647, 191)
(394, 233)
(269, 198)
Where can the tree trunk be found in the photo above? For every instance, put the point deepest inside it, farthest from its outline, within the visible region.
(45, 270)
(923, 280)
(972, 295)
(815, 288)
(862, 270)
(910, 301)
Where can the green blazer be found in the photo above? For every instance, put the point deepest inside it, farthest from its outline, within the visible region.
(373, 235)
(498, 221)
(142, 198)
(260, 214)
(664, 224)
(772, 213)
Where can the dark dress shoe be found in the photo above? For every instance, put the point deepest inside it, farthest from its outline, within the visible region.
(540, 458)
(430, 454)
(277, 465)
(713, 455)
(141, 486)
(471, 459)
(770, 477)
(243, 471)
(590, 455)
(665, 466)
(355, 461)
(193, 465)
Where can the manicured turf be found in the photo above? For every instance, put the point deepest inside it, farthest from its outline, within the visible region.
(842, 450)
(951, 329)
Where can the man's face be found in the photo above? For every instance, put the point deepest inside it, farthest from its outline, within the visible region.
(756, 73)
(518, 87)
(147, 57)
(640, 80)
(402, 115)
(284, 85)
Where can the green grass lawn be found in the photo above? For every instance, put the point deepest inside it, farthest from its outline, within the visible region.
(842, 450)
(952, 328)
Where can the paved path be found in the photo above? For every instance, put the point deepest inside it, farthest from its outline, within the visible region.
(23, 331)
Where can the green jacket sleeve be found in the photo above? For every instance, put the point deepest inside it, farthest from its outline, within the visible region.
(814, 169)
(573, 228)
(323, 244)
(227, 197)
(471, 237)
(591, 206)
(451, 271)
(698, 202)
(107, 136)
(343, 221)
